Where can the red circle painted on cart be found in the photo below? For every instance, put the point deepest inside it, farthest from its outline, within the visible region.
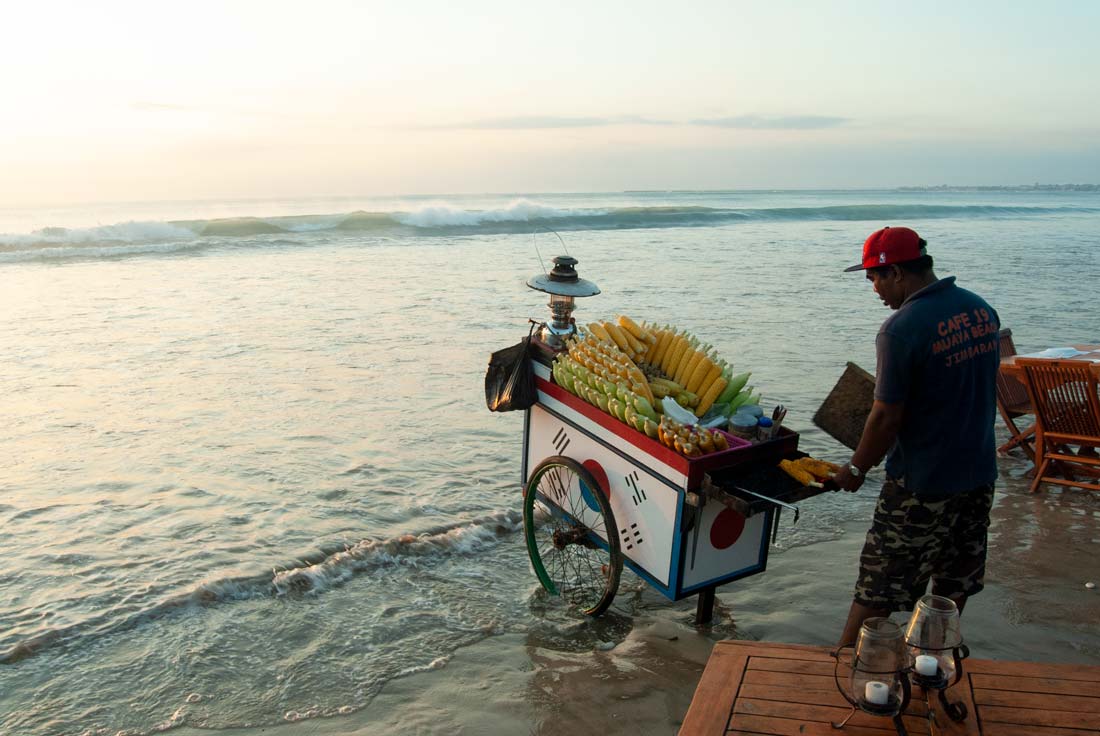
(599, 474)
(726, 529)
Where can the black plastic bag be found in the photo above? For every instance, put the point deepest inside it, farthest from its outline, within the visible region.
(510, 382)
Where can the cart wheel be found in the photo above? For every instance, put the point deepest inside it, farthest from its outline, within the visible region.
(575, 550)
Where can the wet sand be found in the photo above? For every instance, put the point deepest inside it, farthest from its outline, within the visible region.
(1036, 607)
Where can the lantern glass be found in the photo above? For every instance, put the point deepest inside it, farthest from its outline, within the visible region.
(933, 635)
(561, 309)
(879, 667)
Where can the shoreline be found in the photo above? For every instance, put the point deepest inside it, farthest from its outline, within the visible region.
(1041, 549)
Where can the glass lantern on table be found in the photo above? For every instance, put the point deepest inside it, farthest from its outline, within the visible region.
(936, 649)
(879, 681)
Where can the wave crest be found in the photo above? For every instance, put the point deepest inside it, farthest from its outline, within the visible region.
(520, 217)
(309, 576)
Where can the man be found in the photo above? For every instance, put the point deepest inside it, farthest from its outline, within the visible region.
(932, 419)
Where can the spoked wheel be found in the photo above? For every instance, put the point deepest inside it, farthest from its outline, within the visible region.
(574, 547)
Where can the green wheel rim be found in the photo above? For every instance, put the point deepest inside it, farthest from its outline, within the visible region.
(574, 548)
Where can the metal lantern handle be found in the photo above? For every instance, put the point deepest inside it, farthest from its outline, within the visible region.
(961, 652)
(906, 688)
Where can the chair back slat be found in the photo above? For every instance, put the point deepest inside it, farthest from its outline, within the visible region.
(1065, 396)
(1011, 393)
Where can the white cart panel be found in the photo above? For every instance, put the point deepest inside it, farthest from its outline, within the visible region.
(723, 543)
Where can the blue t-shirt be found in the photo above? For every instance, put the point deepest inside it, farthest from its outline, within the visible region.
(939, 354)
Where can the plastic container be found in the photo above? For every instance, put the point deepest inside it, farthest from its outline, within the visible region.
(765, 428)
(753, 410)
(743, 426)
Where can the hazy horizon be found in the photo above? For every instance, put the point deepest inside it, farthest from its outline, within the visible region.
(129, 102)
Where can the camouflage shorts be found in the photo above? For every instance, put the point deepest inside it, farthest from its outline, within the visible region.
(913, 541)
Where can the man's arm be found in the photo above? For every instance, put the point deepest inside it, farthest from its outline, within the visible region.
(879, 434)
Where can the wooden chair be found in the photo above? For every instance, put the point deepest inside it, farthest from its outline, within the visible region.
(1066, 399)
(1013, 403)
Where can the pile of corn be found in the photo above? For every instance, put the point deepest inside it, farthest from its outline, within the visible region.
(626, 368)
(676, 364)
(809, 471)
(690, 441)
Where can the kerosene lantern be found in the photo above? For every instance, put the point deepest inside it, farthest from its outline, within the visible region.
(936, 649)
(879, 681)
(564, 286)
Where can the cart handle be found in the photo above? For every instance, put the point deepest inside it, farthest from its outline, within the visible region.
(788, 506)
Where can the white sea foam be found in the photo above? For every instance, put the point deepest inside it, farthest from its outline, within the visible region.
(464, 539)
(123, 232)
(467, 538)
(521, 210)
(436, 664)
(94, 251)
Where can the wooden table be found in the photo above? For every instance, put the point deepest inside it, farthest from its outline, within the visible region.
(754, 688)
(1092, 354)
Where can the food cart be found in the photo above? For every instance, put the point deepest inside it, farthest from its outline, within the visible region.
(600, 495)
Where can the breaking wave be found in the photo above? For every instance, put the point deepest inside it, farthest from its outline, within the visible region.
(522, 216)
(305, 577)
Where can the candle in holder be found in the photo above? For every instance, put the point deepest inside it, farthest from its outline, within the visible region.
(876, 693)
(926, 665)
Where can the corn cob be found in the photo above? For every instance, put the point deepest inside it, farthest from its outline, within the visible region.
(595, 328)
(664, 351)
(680, 357)
(617, 336)
(651, 344)
(736, 383)
(720, 442)
(632, 328)
(713, 375)
(744, 397)
(658, 390)
(662, 347)
(638, 346)
(708, 398)
(802, 476)
(676, 351)
(818, 468)
(686, 367)
(668, 383)
(640, 386)
(702, 369)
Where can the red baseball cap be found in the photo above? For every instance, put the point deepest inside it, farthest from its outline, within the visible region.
(890, 245)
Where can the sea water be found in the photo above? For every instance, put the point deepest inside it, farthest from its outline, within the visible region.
(247, 474)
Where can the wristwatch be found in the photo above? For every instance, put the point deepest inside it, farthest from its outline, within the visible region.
(854, 470)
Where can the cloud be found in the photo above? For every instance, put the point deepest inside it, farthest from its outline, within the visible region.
(741, 122)
(539, 122)
(788, 122)
(148, 106)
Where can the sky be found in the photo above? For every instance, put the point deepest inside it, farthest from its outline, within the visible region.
(134, 101)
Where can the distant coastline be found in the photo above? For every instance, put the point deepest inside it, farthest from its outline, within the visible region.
(1005, 188)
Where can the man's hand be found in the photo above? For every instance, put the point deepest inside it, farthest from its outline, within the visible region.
(846, 480)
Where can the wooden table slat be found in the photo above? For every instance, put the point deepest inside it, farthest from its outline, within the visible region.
(820, 714)
(764, 677)
(1035, 685)
(712, 703)
(1046, 701)
(1008, 729)
(1077, 672)
(773, 664)
(789, 727)
(1031, 717)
